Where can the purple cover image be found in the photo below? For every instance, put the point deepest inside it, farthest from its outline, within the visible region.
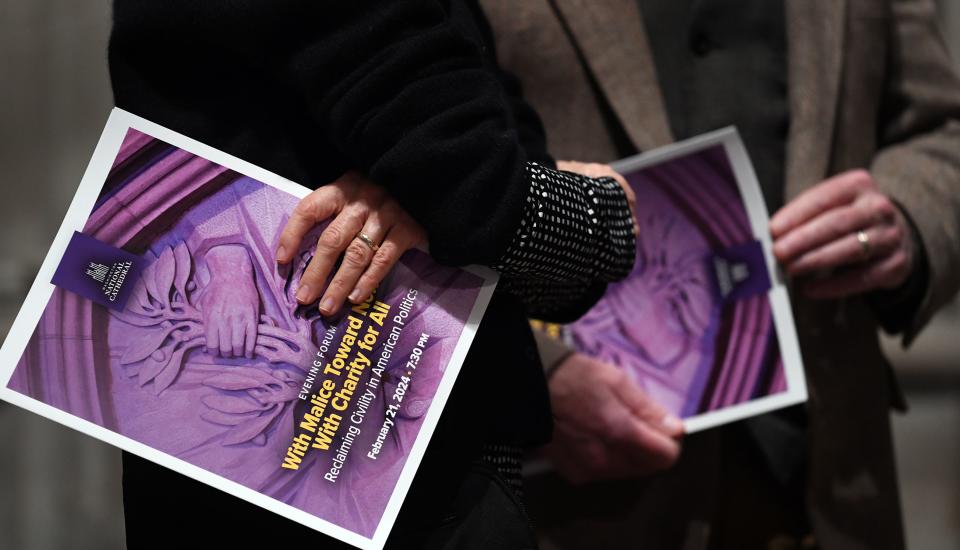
(693, 322)
(321, 415)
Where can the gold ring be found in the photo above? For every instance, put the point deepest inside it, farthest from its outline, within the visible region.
(368, 241)
(864, 241)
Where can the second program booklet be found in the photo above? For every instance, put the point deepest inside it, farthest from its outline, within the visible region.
(703, 322)
(167, 240)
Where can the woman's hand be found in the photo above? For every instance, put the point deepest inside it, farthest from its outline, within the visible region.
(361, 209)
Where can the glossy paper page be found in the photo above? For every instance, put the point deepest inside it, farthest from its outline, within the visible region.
(168, 241)
(702, 323)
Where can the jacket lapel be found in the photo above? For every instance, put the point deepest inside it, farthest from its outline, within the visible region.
(815, 34)
(615, 48)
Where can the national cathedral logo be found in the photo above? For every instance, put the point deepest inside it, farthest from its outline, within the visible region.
(111, 278)
(97, 271)
(740, 271)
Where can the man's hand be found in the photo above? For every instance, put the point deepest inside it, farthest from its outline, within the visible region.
(358, 207)
(606, 427)
(594, 170)
(846, 236)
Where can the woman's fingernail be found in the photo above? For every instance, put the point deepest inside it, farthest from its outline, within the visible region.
(672, 423)
(354, 296)
(327, 305)
(281, 252)
(303, 293)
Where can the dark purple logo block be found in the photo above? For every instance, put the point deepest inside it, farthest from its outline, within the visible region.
(98, 271)
(740, 271)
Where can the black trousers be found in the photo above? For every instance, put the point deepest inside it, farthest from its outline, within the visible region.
(165, 509)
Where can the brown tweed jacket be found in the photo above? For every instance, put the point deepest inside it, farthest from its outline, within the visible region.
(870, 86)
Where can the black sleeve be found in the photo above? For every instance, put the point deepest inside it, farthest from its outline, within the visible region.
(552, 263)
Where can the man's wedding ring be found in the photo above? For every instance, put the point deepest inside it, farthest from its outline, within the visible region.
(864, 241)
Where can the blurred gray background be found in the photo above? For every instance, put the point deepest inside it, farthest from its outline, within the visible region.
(60, 489)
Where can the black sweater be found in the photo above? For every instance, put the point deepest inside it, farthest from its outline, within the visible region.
(408, 92)
(308, 89)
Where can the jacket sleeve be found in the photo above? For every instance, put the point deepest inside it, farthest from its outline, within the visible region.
(918, 163)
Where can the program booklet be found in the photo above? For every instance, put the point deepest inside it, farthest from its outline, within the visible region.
(703, 322)
(167, 240)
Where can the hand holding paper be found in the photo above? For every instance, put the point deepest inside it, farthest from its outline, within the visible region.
(362, 210)
(606, 426)
(702, 324)
(849, 232)
(171, 245)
